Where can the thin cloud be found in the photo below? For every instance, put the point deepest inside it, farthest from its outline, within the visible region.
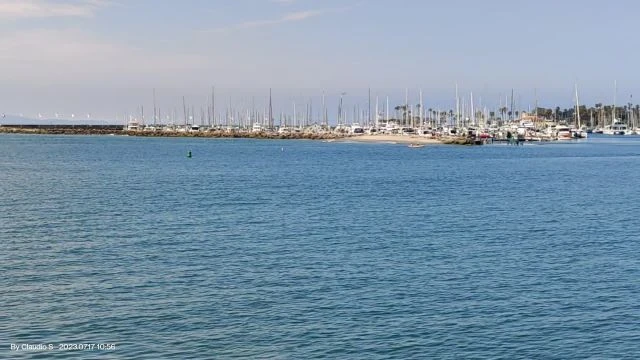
(283, 2)
(291, 17)
(75, 54)
(26, 9)
(286, 18)
(302, 15)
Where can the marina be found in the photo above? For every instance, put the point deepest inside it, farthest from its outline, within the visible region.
(468, 124)
(425, 127)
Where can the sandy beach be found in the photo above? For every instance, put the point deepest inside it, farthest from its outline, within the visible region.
(397, 139)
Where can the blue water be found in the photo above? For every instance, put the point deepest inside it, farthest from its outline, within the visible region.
(300, 250)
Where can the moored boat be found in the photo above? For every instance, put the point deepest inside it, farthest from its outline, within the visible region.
(564, 133)
(617, 128)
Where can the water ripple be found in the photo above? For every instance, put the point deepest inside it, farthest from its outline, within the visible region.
(359, 251)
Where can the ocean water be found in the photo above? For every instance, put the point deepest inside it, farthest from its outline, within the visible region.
(300, 250)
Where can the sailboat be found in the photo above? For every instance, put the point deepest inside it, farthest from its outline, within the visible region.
(578, 132)
(616, 127)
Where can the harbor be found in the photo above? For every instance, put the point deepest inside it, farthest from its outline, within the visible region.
(465, 123)
(389, 132)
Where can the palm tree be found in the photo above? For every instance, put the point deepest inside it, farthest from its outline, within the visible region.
(405, 114)
(503, 111)
(598, 107)
(397, 109)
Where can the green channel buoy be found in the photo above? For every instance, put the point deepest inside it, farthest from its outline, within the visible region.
(189, 154)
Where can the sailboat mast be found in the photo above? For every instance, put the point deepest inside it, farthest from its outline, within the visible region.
(511, 106)
(324, 111)
(270, 111)
(406, 106)
(184, 109)
(457, 107)
(535, 95)
(577, 108)
(421, 109)
(473, 113)
(377, 113)
(154, 107)
(213, 105)
(386, 116)
(340, 111)
(369, 109)
(613, 111)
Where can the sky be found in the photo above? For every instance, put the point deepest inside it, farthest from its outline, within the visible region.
(105, 58)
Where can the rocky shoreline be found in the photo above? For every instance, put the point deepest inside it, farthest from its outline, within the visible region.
(85, 130)
(200, 134)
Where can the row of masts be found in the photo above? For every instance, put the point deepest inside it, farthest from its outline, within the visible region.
(410, 113)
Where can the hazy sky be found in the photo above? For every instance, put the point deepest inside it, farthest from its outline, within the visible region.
(106, 57)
